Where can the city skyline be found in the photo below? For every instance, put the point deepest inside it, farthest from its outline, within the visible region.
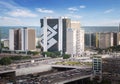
(89, 13)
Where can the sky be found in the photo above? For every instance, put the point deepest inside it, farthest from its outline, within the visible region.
(88, 12)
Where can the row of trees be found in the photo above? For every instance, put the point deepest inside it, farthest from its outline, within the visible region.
(33, 52)
(109, 49)
(56, 54)
(5, 61)
(22, 52)
(9, 60)
(114, 48)
(52, 54)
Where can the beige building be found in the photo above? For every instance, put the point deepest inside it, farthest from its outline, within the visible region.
(105, 40)
(6, 43)
(75, 39)
(31, 39)
(118, 38)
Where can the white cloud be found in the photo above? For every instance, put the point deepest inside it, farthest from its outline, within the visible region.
(108, 11)
(10, 21)
(12, 12)
(9, 18)
(7, 5)
(21, 13)
(42, 10)
(72, 9)
(13, 9)
(101, 22)
(74, 16)
(111, 22)
(82, 6)
(77, 16)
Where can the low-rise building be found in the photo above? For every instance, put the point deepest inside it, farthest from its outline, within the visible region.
(6, 43)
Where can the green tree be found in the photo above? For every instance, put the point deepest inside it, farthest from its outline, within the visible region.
(38, 45)
(35, 53)
(2, 45)
(57, 53)
(19, 58)
(66, 56)
(50, 54)
(16, 58)
(5, 61)
(29, 52)
(26, 57)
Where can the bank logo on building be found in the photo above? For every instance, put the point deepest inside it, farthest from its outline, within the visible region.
(51, 32)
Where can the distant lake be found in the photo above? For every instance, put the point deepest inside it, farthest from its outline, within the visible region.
(100, 28)
(5, 29)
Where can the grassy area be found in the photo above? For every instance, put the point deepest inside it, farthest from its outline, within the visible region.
(69, 63)
(73, 63)
(88, 63)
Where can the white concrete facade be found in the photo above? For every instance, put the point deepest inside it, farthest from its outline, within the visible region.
(29, 70)
(60, 29)
(80, 42)
(11, 39)
(45, 34)
(75, 39)
(71, 41)
(24, 37)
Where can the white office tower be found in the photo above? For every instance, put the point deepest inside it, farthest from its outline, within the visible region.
(53, 33)
(75, 39)
(22, 39)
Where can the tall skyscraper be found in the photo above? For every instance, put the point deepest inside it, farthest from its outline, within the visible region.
(75, 39)
(118, 38)
(53, 33)
(22, 39)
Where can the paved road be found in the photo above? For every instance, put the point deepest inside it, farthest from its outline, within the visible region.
(56, 77)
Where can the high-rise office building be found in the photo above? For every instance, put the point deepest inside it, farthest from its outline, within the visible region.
(75, 39)
(118, 38)
(90, 40)
(80, 42)
(53, 33)
(102, 39)
(105, 40)
(22, 39)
